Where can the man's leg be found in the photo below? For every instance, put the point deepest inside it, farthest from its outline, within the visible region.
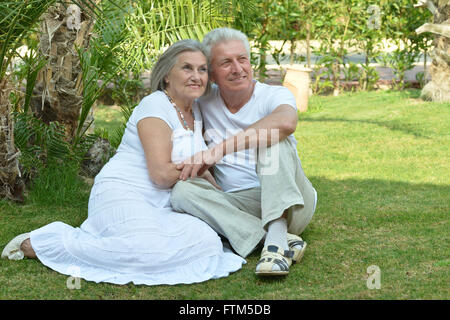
(285, 187)
(287, 201)
(233, 215)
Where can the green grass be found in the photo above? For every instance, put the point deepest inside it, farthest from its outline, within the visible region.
(108, 118)
(379, 161)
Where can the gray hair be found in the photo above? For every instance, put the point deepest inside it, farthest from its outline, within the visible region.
(168, 59)
(219, 35)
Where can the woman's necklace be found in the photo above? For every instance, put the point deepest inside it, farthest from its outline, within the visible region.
(186, 126)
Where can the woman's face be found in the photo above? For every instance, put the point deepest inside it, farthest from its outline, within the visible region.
(188, 78)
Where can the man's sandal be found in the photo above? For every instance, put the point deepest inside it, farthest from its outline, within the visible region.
(297, 245)
(274, 256)
(12, 250)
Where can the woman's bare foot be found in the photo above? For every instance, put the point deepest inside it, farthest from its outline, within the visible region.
(27, 249)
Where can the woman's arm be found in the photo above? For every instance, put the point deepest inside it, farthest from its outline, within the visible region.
(156, 139)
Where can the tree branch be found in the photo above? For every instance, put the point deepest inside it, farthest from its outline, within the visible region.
(440, 29)
(430, 5)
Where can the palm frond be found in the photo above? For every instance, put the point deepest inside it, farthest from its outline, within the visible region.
(38, 140)
(17, 20)
(33, 64)
(99, 61)
(154, 27)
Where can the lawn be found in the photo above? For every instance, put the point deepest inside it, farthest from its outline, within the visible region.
(379, 161)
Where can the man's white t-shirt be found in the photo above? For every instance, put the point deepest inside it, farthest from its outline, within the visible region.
(237, 171)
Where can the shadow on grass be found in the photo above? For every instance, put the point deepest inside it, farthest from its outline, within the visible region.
(352, 215)
(374, 193)
(398, 125)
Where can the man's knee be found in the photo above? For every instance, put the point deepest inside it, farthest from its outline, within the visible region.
(180, 194)
(277, 159)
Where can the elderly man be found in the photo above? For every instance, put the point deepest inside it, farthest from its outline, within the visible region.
(249, 131)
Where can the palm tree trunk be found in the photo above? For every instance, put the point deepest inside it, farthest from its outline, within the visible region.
(58, 95)
(438, 89)
(11, 184)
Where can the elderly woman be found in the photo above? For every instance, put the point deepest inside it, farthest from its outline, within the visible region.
(131, 233)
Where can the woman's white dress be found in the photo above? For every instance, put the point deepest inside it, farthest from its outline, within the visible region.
(131, 233)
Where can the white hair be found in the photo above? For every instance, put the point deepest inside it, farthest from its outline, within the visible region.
(168, 59)
(219, 35)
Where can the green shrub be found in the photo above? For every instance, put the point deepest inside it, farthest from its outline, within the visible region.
(58, 183)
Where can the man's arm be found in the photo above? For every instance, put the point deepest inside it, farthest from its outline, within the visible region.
(267, 131)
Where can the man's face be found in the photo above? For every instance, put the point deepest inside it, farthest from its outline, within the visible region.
(231, 68)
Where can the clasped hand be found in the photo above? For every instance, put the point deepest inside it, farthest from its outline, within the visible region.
(199, 163)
